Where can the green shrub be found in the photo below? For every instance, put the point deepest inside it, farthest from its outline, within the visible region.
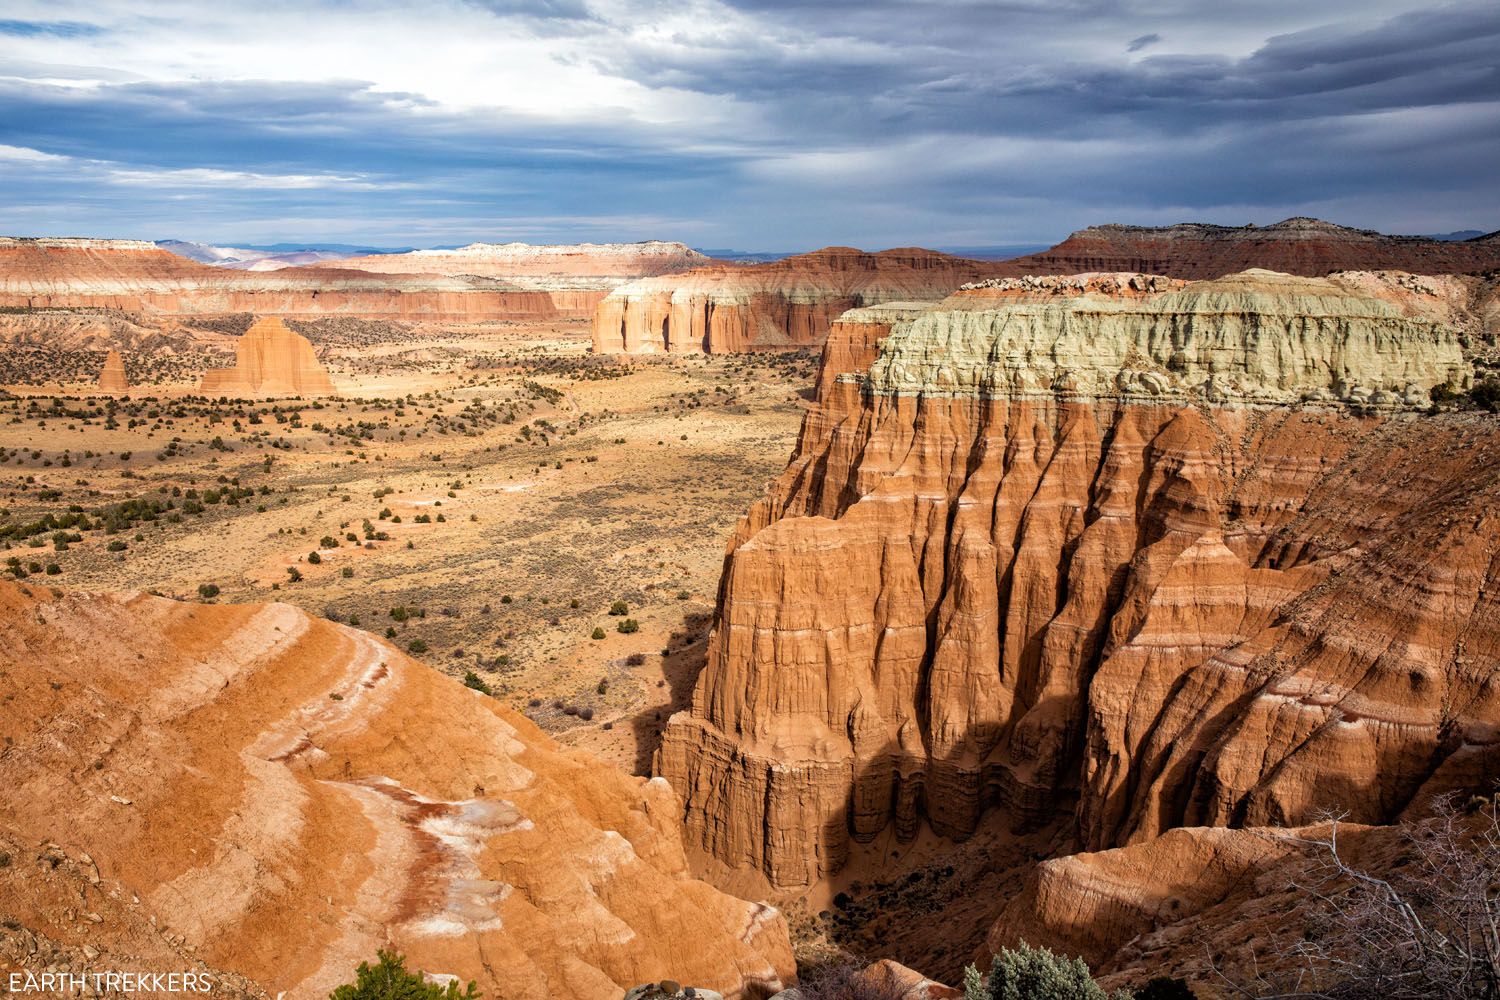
(416, 647)
(598, 633)
(347, 572)
(208, 591)
(1028, 973)
(314, 558)
(476, 683)
(390, 980)
(628, 626)
(619, 608)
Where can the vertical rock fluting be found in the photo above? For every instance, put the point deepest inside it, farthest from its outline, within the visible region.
(1097, 549)
(781, 305)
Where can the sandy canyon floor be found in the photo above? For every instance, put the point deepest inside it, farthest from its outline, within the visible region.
(492, 491)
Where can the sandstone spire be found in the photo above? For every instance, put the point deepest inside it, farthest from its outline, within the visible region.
(112, 378)
(271, 360)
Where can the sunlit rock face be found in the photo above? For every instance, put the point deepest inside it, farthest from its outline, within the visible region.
(141, 278)
(284, 796)
(1130, 551)
(270, 361)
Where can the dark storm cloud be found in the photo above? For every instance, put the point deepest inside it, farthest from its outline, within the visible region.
(801, 122)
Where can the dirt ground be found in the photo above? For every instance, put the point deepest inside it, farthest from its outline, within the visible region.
(481, 495)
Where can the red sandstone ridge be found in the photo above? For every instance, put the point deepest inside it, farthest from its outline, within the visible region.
(139, 277)
(780, 305)
(270, 360)
(1186, 557)
(600, 265)
(1295, 246)
(112, 380)
(283, 796)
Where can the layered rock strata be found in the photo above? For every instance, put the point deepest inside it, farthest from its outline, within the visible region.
(593, 265)
(781, 305)
(285, 796)
(1190, 556)
(139, 277)
(270, 360)
(112, 379)
(1304, 246)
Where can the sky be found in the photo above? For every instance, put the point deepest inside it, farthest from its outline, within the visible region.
(748, 124)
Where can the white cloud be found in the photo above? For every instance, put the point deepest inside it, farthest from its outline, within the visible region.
(24, 154)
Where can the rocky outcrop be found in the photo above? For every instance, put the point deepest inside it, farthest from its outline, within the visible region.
(1300, 245)
(112, 380)
(282, 796)
(270, 361)
(781, 305)
(139, 277)
(1148, 559)
(578, 265)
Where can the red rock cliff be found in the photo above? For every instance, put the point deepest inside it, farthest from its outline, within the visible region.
(1303, 246)
(1183, 556)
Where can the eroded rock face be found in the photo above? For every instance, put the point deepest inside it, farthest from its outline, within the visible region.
(1093, 556)
(270, 361)
(112, 380)
(139, 277)
(781, 305)
(581, 265)
(286, 796)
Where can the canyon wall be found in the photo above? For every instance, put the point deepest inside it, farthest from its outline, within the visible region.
(781, 305)
(1139, 553)
(280, 797)
(139, 277)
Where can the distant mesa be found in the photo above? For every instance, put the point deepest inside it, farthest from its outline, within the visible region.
(270, 360)
(791, 303)
(112, 379)
(592, 265)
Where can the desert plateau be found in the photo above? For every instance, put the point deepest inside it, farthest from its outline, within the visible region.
(576, 500)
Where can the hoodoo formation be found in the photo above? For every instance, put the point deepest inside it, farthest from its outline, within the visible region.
(270, 361)
(781, 305)
(283, 796)
(1181, 554)
(112, 378)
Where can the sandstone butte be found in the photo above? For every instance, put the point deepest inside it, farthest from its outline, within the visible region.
(284, 795)
(139, 277)
(791, 303)
(112, 380)
(270, 360)
(1116, 552)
